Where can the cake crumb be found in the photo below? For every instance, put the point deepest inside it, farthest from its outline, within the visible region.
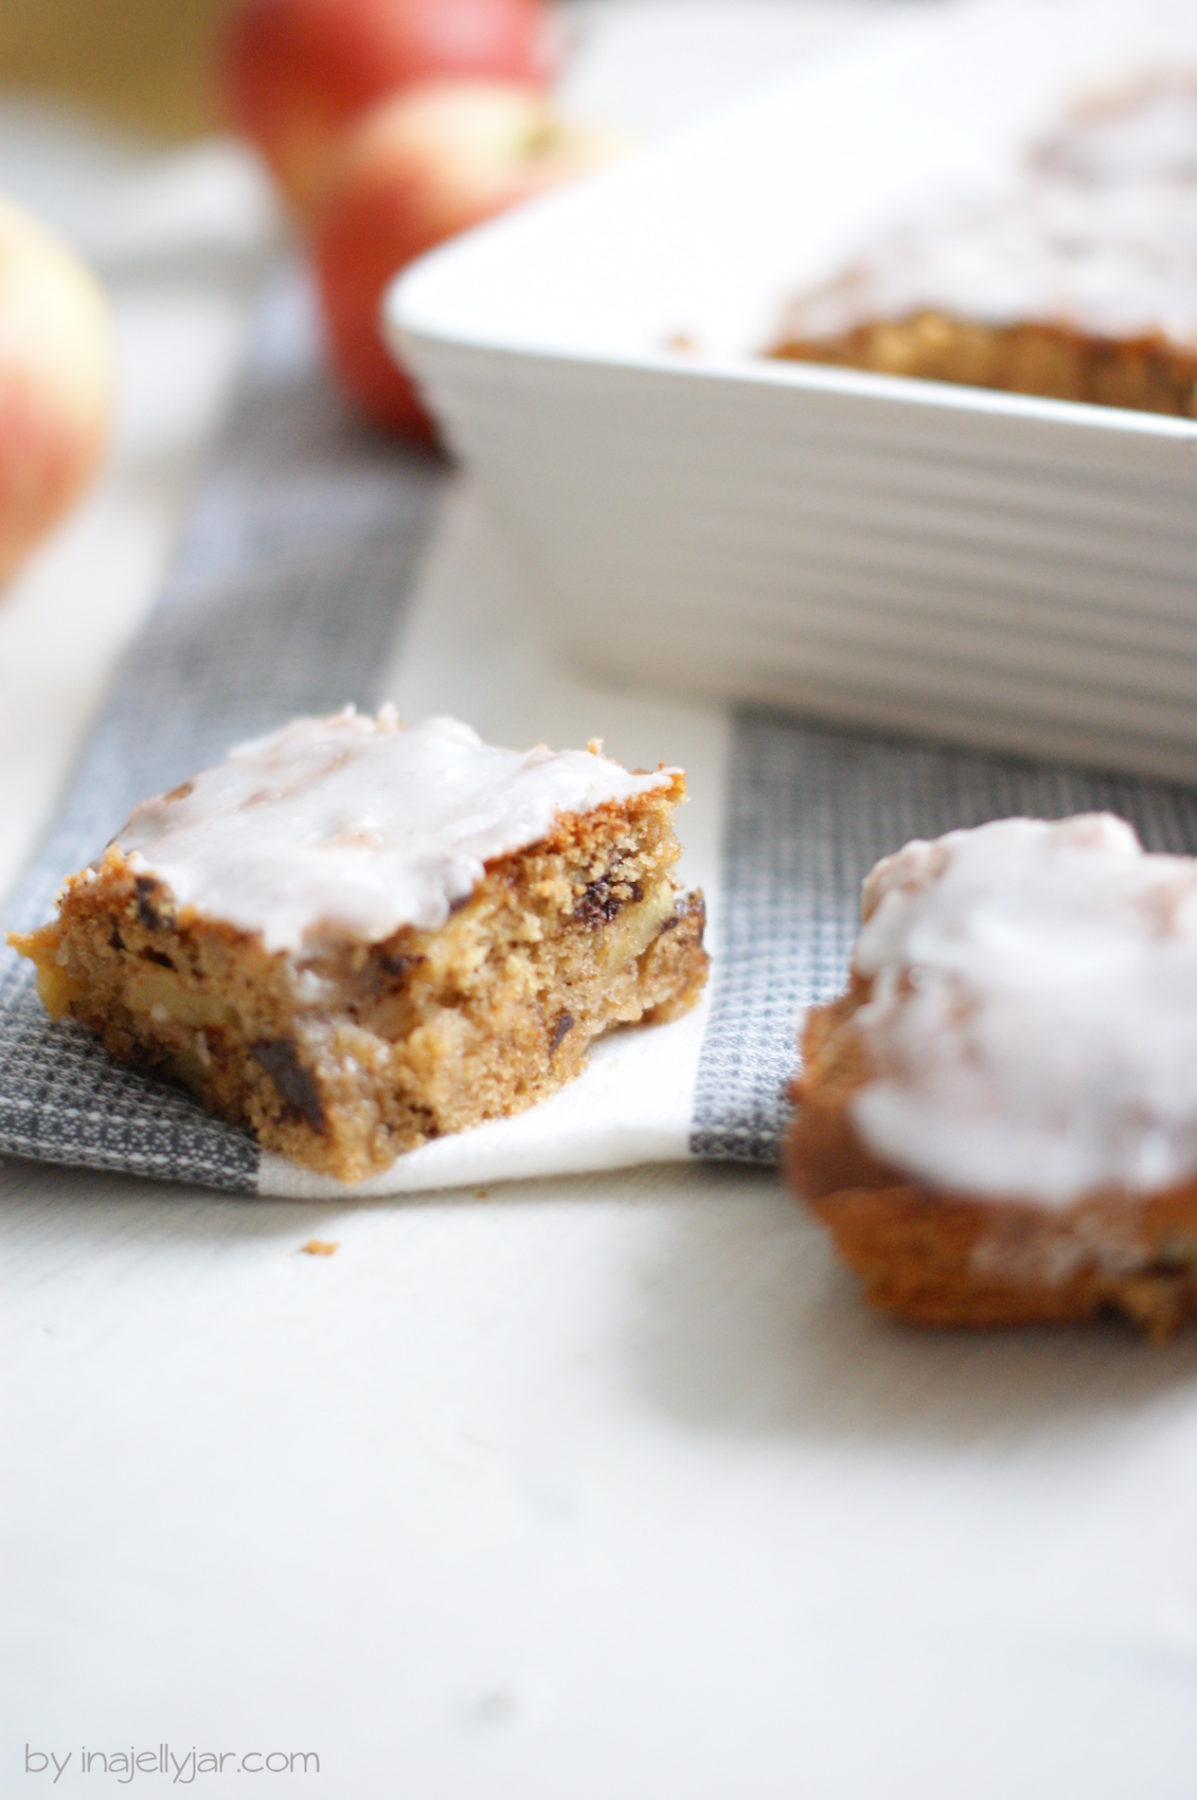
(320, 1247)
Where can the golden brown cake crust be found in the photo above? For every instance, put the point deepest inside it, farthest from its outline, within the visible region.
(344, 1057)
(1054, 361)
(949, 1259)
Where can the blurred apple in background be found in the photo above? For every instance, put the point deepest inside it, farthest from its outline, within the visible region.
(297, 73)
(417, 170)
(56, 381)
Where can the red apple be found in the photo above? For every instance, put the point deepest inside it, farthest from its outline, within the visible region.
(297, 73)
(419, 169)
(56, 381)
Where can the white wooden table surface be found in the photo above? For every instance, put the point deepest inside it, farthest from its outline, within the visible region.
(597, 1488)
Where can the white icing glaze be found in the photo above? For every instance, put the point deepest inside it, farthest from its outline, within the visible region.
(1033, 1018)
(1149, 135)
(354, 826)
(1122, 267)
(1102, 238)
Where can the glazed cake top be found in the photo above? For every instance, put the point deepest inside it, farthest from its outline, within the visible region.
(352, 826)
(1098, 233)
(1032, 1026)
(1148, 133)
(1118, 266)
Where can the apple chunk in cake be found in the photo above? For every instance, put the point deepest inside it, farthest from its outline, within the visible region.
(353, 936)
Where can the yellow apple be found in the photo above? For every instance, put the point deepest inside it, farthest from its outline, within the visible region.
(56, 381)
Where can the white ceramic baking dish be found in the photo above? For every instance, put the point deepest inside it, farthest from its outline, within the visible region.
(998, 570)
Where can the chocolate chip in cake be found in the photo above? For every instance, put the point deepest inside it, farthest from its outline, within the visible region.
(600, 902)
(147, 910)
(296, 1085)
(396, 963)
(565, 1022)
(157, 956)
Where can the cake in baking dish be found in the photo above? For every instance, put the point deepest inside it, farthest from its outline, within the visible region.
(1078, 283)
(998, 1119)
(354, 936)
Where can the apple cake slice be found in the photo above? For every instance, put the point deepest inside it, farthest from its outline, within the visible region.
(997, 1121)
(353, 936)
